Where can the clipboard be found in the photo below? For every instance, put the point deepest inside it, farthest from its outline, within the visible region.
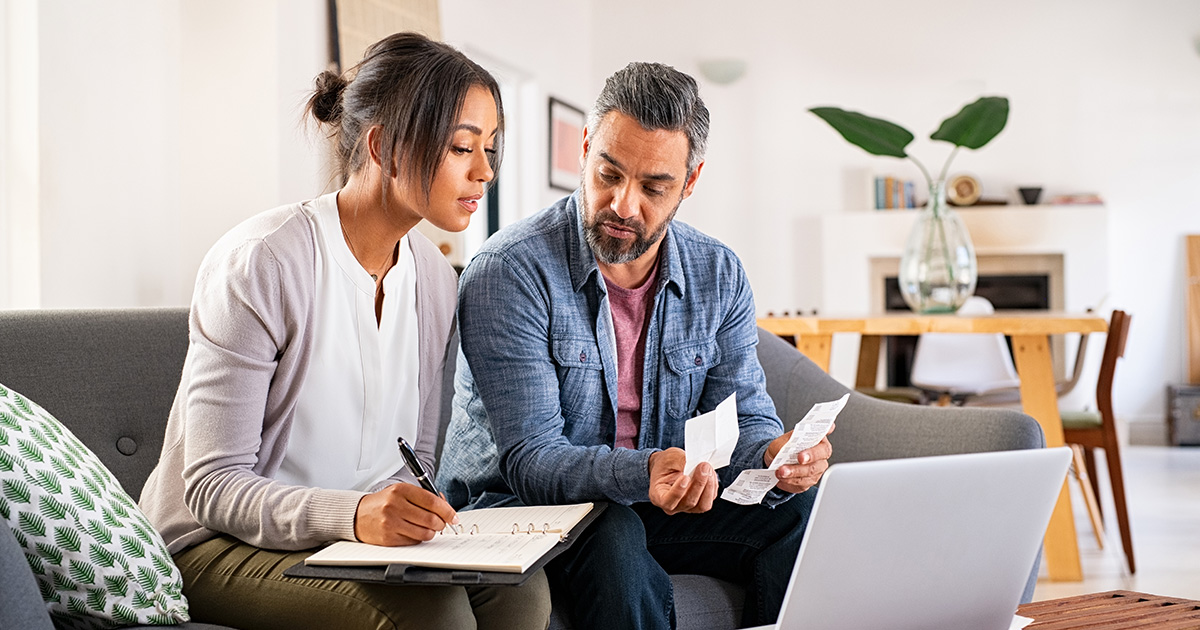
(412, 574)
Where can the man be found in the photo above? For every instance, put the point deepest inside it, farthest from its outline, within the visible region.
(591, 332)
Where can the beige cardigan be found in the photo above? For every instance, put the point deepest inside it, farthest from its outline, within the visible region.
(250, 340)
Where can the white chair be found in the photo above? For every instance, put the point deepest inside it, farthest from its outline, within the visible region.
(952, 367)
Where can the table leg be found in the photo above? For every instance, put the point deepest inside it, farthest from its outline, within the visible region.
(868, 361)
(1038, 398)
(816, 346)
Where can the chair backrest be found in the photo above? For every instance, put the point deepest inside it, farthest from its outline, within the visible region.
(1114, 348)
(964, 362)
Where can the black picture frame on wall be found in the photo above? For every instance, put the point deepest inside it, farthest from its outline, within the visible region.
(565, 132)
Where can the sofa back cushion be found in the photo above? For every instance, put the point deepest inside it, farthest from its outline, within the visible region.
(96, 559)
(109, 375)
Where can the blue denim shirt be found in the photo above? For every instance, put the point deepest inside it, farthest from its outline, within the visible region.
(536, 396)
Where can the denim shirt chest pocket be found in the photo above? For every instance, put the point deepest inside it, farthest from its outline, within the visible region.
(580, 377)
(688, 364)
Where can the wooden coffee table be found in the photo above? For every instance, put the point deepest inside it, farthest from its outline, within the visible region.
(1113, 610)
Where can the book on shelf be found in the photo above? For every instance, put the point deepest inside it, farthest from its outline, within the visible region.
(893, 193)
(502, 540)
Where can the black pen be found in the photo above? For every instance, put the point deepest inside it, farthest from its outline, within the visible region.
(414, 465)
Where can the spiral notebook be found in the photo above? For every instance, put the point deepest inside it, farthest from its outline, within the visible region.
(486, 544)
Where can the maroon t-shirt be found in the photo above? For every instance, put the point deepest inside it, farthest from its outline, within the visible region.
(630, 308)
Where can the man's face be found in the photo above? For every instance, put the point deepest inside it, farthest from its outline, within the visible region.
(633, 182)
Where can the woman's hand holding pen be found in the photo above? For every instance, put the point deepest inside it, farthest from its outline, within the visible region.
(401, 514)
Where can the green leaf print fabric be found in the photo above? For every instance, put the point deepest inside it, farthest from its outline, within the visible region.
(98, 561)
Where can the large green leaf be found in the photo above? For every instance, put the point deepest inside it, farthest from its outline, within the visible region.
(874, 135)
(975, 124)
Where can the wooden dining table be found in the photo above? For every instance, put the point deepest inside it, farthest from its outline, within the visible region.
(1030, 333)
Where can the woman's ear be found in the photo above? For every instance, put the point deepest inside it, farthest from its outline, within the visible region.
(374, 145)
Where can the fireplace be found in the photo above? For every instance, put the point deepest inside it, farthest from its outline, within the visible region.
(840, 261)
(1023, 282)
(1006, 292)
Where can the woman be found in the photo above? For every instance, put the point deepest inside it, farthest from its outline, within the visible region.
(319, 333)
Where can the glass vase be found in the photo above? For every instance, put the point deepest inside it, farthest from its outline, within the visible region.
(938, 269)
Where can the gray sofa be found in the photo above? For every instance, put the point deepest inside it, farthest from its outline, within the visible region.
(110, 376)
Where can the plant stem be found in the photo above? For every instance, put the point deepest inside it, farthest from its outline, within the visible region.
(946, 168)
(946, 258)
(924, 171)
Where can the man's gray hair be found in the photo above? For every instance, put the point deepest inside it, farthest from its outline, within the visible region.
(658, 97)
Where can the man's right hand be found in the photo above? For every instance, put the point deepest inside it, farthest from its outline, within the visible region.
(676, 492)
(401, 514)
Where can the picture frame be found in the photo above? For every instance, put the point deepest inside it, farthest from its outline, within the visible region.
(566, 123)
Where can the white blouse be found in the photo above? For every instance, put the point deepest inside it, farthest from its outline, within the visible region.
(360, 392)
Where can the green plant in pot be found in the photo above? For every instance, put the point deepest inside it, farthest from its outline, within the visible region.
(938, 268)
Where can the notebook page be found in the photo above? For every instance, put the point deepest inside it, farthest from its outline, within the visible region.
(556, 519)
(507, 554)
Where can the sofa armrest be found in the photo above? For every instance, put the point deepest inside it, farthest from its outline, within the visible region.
(21, 604)
(870, 429)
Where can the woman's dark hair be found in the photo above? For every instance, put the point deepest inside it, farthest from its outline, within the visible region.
(411, 87)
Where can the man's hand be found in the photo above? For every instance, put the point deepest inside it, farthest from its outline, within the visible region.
(804, 474)
(676, 492)
(401, 514)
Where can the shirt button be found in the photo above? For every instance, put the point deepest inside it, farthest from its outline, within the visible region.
(583, 357)
(699, 360)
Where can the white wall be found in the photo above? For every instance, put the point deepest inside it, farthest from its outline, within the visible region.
(1105, 98)
(159, 126)
(20, 271)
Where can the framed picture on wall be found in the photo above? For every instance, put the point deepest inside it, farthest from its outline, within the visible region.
(566, 140)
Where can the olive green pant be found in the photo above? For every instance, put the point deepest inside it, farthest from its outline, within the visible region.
(228, 582)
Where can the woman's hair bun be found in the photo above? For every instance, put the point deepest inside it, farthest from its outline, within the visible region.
(326, 101)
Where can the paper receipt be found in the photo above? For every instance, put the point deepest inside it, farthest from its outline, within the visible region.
(711, 437)
(752, 485)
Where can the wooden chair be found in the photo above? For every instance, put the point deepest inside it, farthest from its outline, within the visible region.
(1098, 429)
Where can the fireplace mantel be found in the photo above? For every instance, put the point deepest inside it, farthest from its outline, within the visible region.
(850, 250)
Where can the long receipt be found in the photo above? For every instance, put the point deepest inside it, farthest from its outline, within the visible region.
(752, 485)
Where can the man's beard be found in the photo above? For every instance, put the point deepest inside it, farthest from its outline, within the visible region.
(615, 251)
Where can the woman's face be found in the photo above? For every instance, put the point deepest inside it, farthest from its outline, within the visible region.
(462, 177)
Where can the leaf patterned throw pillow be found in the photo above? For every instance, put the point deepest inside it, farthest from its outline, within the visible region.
(98, 561)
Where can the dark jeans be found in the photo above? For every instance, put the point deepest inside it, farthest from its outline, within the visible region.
(615, 574)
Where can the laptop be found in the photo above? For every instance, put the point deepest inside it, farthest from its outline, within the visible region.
(928, 542)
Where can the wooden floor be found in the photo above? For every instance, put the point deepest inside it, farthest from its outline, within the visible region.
(1163, 491)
